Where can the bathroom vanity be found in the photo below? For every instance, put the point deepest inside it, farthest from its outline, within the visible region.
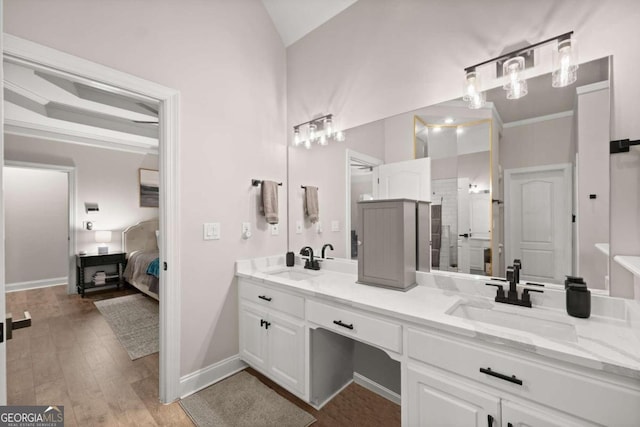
(465, 360)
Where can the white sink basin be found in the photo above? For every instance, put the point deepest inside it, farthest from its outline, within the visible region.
(523, 320)
(291, 274)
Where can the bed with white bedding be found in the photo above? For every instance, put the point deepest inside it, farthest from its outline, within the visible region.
(141, 245)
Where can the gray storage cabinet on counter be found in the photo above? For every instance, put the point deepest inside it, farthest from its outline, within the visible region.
(393, 242)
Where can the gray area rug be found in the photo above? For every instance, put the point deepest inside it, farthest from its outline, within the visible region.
(135, 321)
(243, 401)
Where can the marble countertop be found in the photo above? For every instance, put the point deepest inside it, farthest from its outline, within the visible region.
(608, 341)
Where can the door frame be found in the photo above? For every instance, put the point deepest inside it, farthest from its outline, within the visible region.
(71, 206)
(95, 74)
(349, 155)
(567, 172)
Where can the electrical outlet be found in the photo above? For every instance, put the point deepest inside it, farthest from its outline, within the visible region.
(298, 227)
(275, 229)
(335, 225)
(246, 230)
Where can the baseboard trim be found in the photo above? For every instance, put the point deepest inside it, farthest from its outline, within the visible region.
(35, 284)
(376, 388)
(205, 377)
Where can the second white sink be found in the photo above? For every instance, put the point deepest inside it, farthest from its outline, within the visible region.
(522, 320)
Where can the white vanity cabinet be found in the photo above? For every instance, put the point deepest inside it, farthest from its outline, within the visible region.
(465, 378)
(272, 340)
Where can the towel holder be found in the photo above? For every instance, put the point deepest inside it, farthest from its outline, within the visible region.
(256, 182)
(305, 187)
(622, 145)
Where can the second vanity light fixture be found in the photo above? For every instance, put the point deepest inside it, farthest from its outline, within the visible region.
(318, 130)
(511, 66)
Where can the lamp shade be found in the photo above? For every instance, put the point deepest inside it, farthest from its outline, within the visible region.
(103, 236)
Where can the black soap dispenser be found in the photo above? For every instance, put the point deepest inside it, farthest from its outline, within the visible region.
(578, 297)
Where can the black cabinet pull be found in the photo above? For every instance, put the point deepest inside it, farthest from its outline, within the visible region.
(262, 322)
(509, 425)
(344, 325)
(267, 324)
(264, 297)
(489, 420)
(511, 379)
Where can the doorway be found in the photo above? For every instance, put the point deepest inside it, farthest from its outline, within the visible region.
(94, 75)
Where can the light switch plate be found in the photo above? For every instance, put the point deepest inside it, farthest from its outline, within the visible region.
(335, 225)
(275, 229)
(298, 227)
(211, 231)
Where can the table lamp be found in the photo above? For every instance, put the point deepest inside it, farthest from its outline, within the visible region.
(103, 236)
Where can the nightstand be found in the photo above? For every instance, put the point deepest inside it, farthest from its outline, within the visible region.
(118, 259)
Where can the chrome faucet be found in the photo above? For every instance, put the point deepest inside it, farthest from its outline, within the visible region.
(328, 245)
(513, 277)
(309, 263)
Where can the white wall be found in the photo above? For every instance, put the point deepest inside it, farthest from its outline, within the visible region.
(106, 177)
(228, 62)
(36, 225)
(383, 57)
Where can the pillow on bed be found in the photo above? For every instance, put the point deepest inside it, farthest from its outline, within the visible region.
(157, 238)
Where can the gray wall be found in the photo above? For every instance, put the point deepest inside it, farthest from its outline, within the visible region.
(36, 225)
(536, 144)
(106, 177)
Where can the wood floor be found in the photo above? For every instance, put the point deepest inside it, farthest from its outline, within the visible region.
(71, 357)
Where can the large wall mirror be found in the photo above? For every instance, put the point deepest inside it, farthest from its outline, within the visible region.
(525, 178)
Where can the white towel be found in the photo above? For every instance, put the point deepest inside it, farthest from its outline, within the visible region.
(269, 205)
(311, 207)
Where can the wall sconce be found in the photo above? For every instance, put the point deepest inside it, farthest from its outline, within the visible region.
(319, 130)
(103, 236)
(512, 64)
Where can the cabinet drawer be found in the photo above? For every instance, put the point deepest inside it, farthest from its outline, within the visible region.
(360, 326)
(268, 297)
(592, 398)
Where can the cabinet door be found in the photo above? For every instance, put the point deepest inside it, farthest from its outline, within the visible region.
(286, 352)
(516, 415)
(253, 336)
(435, 400)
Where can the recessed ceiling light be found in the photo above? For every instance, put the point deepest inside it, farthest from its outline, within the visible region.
(448, 120)
(437, 128)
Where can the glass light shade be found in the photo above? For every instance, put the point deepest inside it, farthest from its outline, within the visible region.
(323, 139)
(103, 236)
(312, 131)
(297, 140)
(339, 136)
(307, 144)
(471, 86)
(517, 89)
(478, 100)
(565, 64)
(328, 126)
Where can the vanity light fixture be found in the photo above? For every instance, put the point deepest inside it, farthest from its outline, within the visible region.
(319, 130)
(511, 65)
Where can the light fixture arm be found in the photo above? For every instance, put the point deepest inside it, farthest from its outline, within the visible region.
(519, 52)
(314, 121)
